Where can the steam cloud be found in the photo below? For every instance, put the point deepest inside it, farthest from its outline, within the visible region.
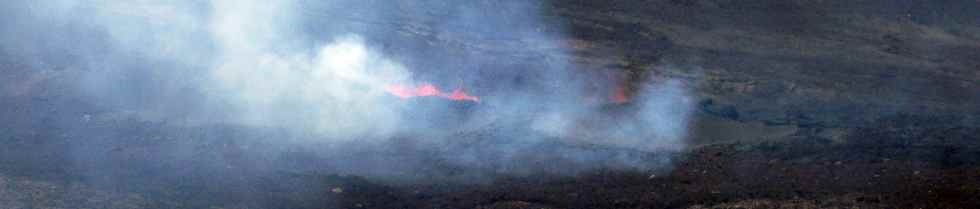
(319, 69)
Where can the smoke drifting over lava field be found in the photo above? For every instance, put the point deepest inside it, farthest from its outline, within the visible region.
(402, 104)
(267, 66)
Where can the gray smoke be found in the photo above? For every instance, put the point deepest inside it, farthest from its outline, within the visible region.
(318, 70)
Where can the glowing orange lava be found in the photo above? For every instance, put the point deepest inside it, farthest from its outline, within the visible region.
(619, 96)
(429, 90)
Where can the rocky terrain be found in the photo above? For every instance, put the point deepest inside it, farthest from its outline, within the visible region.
(800, 104)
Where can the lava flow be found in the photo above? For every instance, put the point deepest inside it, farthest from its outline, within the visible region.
(429, 90)
(620, 96)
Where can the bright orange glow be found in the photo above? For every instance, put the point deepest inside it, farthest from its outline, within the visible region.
(620, 95)
(399, 91)
(458, 94)
(429, 90)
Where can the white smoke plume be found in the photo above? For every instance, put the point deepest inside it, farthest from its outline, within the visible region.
(319, 70)
(334, 89)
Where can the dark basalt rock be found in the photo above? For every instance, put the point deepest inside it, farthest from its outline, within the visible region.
(803, 104)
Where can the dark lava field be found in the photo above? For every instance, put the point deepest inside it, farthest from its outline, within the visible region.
(784, 104)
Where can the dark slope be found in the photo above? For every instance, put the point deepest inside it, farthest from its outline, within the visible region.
(801, 104)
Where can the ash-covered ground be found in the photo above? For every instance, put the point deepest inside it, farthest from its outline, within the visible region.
(582, 104)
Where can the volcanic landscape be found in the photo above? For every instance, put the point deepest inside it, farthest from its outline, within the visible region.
(491, 104)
